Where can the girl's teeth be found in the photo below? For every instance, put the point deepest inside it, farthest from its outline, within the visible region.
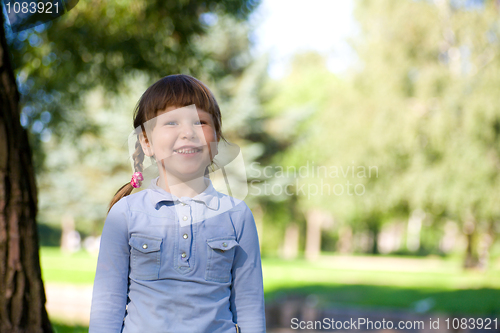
(187, 151)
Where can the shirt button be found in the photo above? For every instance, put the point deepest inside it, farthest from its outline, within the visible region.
(185, 236)
(145, 246)
(224, 244)
(183, 254)
(185, 218)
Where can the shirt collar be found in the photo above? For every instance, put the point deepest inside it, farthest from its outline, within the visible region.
(209, 196)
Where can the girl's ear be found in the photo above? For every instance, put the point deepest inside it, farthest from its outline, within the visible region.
(145, 144)
(216, 144)
(213, 149)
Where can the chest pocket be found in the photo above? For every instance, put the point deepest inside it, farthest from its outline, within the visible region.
(144, 257)
(220, 258)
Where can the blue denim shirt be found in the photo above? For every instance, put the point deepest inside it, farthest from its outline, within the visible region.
(179, 265)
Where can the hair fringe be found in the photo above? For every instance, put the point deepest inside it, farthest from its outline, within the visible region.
(121, 193)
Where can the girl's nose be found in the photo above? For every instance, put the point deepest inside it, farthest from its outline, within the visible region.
(188, 131)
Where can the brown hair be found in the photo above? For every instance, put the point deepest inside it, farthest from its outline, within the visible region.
(177, 90)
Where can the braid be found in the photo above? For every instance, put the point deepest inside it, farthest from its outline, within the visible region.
(138, 157)
(126, 189)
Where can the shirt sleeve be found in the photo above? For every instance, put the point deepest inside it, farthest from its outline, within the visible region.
(247, 291)
(109, 296)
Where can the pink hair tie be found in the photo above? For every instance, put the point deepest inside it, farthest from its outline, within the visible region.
(136, 179)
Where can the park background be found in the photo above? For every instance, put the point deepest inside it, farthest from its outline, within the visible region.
(397, 98)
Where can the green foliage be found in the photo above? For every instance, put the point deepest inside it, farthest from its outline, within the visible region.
(419, 106)
(101, 43)
(48, 235)
(81, 176)
(438, 57)
(277, 215)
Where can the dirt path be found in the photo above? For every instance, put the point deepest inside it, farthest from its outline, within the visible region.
(70, 303)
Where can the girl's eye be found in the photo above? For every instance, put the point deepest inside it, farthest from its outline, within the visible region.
(201, 122)
(170, 123)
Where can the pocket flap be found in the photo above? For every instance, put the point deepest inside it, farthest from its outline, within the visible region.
(222, 243)
(145, 244)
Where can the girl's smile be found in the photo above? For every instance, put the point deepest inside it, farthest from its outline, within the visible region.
(182, 140)
(188, 150)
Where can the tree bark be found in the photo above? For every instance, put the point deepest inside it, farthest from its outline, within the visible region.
(471, 260)
(313, 237)
(291, 241)
(22, 296)
(469, 228)
(487, 240)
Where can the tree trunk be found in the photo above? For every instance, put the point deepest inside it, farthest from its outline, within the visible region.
(22, 296)
(414, 229)
(471, 260)
(344, 245)
(487, 240)
(291, 241)
(313, 237)
(374, 232)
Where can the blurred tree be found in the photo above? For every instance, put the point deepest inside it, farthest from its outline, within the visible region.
(290, 118)
(80, 178)
(406, 130)
(22, 296)
(101, 43)
(427, 85)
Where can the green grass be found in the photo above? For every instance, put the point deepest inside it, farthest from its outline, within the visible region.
(60, 326)
(75, 268)
(392, 282)
(389, 282)
(388, 271)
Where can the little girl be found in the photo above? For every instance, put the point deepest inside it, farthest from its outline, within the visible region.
(179, 256)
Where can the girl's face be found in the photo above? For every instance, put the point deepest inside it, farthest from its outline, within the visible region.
(183, 141)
